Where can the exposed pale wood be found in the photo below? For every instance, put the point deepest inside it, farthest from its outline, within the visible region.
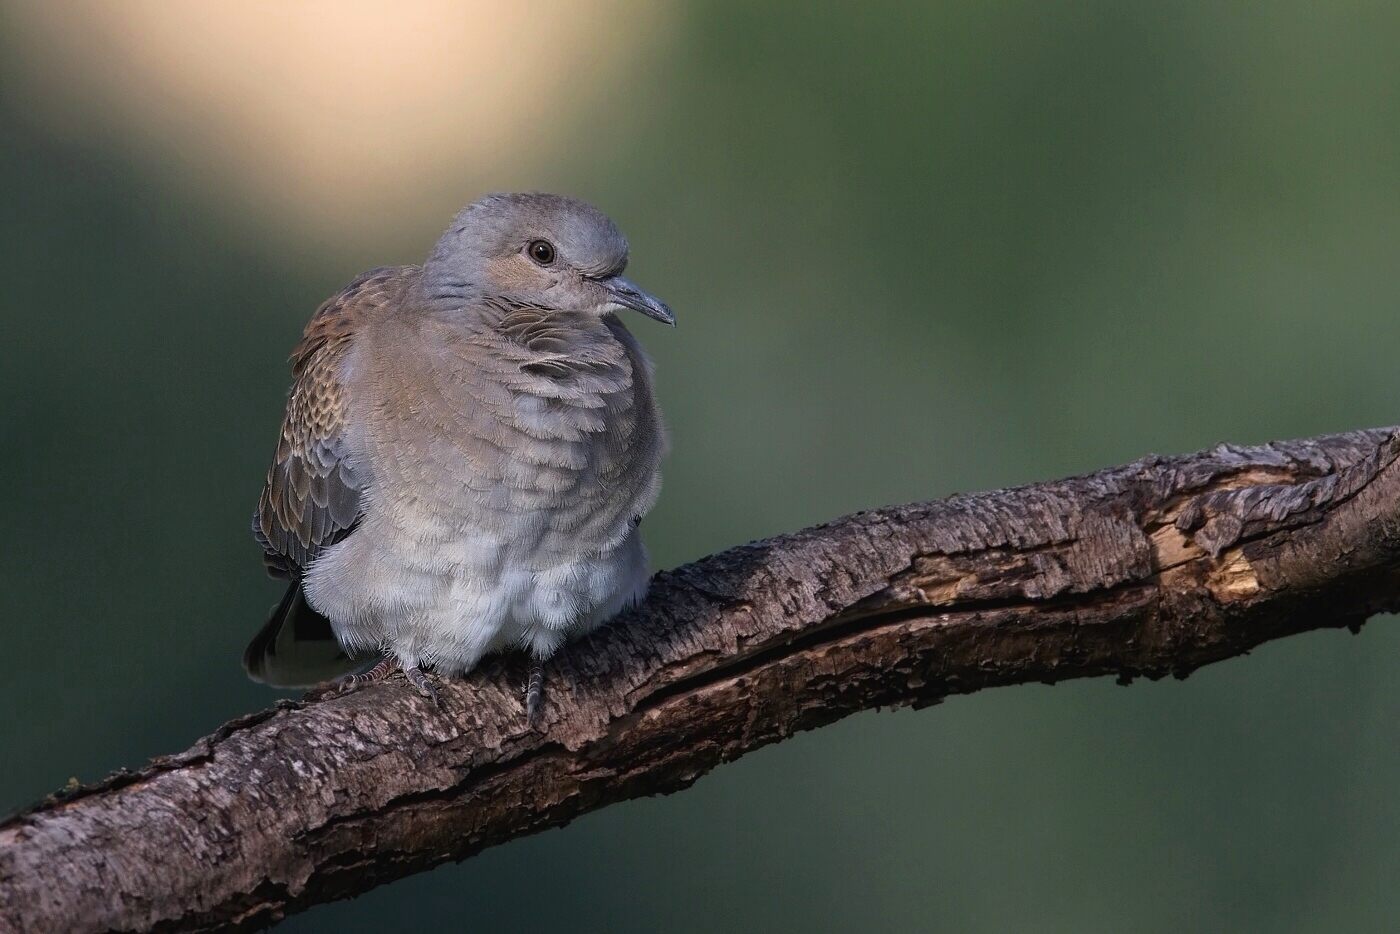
(1153, 568)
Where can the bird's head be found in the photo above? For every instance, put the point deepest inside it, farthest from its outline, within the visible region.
(538, 249)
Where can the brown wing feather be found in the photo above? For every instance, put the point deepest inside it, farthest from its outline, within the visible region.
(312, 496)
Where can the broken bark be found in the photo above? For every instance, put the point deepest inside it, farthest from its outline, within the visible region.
(1150, 569)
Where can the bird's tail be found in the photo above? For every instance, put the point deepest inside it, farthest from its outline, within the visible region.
(297, 647)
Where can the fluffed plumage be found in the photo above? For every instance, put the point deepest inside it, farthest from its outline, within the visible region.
(468, 449)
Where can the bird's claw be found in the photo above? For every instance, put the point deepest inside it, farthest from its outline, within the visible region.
(419, 680)
(534, 693)
(383, 669)
(380, 672)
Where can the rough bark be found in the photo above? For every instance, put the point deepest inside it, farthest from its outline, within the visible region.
(1153, 568)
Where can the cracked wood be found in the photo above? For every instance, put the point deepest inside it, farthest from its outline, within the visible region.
(1153, 568)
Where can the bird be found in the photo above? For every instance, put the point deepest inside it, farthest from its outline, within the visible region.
(468, 450)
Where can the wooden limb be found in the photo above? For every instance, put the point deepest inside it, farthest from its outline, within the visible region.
(1154, 568)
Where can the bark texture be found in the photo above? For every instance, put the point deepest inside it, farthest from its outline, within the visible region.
(1153, 568)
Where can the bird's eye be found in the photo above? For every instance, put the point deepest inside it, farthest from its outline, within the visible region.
(541, 251)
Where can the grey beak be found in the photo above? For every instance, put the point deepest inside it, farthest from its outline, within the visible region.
(624, 293)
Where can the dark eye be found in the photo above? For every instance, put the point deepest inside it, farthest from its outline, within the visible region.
(541, 251)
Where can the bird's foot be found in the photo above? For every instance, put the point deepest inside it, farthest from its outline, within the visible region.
(418, 679)
(382, 670)
(566, 668)
(534, 692)
(349, 683)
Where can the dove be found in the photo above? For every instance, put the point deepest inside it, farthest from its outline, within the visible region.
(468, 450)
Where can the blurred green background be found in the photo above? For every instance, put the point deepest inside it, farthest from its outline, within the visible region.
(914, 249)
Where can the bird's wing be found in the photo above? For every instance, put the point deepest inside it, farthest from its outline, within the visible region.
(312, 498)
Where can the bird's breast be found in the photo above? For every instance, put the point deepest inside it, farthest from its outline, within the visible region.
(479, 454)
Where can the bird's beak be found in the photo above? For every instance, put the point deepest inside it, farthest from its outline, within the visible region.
(625, 294)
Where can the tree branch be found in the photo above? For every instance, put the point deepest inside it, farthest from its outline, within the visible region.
(1154, 568)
